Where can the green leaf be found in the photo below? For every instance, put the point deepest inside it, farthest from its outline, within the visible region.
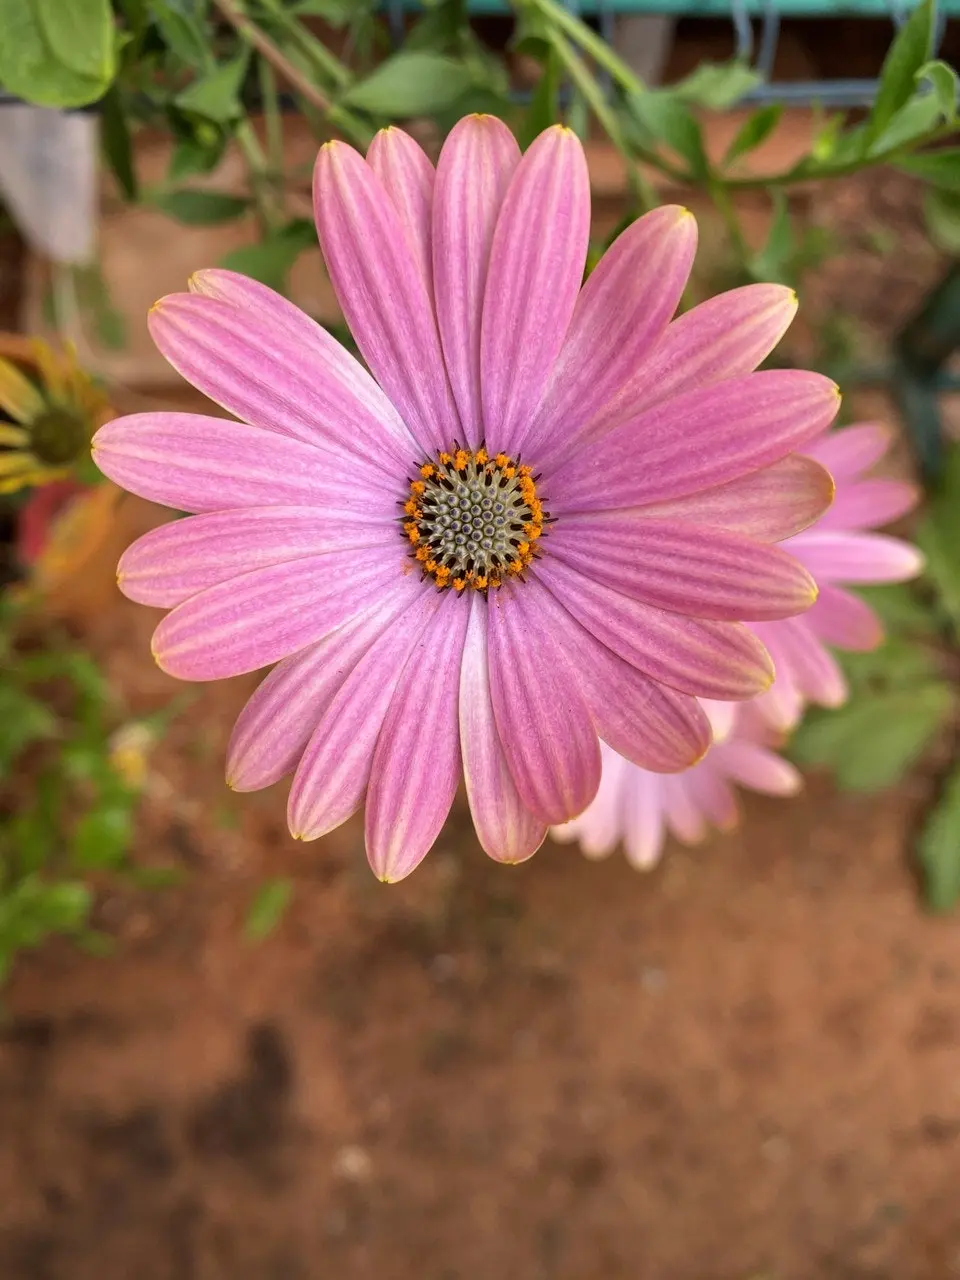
(909, 52)
(216, 96)
(115, 142)
(182, 32)
(910, 124)
(337, 12)
(102, 837)
(267, 909)
(200, 208)
(871, 742)
(938, 537)
(754, 130)
(30, 65)
(893, 666)
(23, 720)
(945, 85)
(939, 849)
(80, 35)
(775, 259)
(666, 119)
(544, 108)
(271, 259)
(718, 86)
(827, 139)
(33, 837)
(195, 155)
(942, 210)
(33, 909)
(418, 83)
(900, 610)
(940, 168)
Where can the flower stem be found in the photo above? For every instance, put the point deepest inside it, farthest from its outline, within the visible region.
(643, 193)
(274, 128)
(261, 184)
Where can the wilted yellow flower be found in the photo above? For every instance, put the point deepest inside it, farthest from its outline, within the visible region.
(54, 413)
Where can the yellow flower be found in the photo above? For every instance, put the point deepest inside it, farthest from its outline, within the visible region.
(53, 416)
(129, 748)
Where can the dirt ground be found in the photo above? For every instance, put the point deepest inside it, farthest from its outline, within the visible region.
(742, 1066)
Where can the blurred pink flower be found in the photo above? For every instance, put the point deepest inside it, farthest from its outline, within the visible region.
(839, 550)
(437, 605)
(640, 809)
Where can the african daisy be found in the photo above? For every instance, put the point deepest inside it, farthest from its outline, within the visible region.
(537, 522)
(640, 809)
(841, 549)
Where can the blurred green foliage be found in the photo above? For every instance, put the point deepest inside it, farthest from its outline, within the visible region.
(199, 70)
(904, 698)
(69, 785)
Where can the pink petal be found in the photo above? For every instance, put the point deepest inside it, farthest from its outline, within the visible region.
(760, 770)
(277, 722)
(194, 463)
(545, 727)
(506, 828)
(803, 661)
(843, 619)
(645, 831)
(684, 816)
(375, 271)
(332, 776)
(536, 267)
(712, 796)
(600, 827)
(622, 310)
(169, 564)
(651, 725)
(280, 372)
(416, 764)
(768, 505)
(708, 659)
(704, 573)
(724, 337)
(783, 703)
(868, 504)
(856, 557)
(849, 451)
(474, 170)
(269, 613)
(407, 176)
(697, 440)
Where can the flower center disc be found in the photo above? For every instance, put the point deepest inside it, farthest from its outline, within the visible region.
(57, 436)
(472, 519)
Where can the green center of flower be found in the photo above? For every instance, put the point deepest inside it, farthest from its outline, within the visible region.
(473, 520)
(58, 436)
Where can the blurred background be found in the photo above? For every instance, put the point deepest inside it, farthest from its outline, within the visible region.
(224, 1053)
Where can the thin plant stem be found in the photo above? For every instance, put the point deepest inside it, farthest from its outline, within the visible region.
(275, 56)
(273, 123)
(590, 43)
(643, 193)
(261, 186)
(314, 50)
(720, 195)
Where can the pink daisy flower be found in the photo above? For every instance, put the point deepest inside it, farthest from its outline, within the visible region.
(840, 550)
(640, 809)
(536, 522)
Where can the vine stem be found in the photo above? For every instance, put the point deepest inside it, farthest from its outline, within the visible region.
(273, 55)
(274, 128)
